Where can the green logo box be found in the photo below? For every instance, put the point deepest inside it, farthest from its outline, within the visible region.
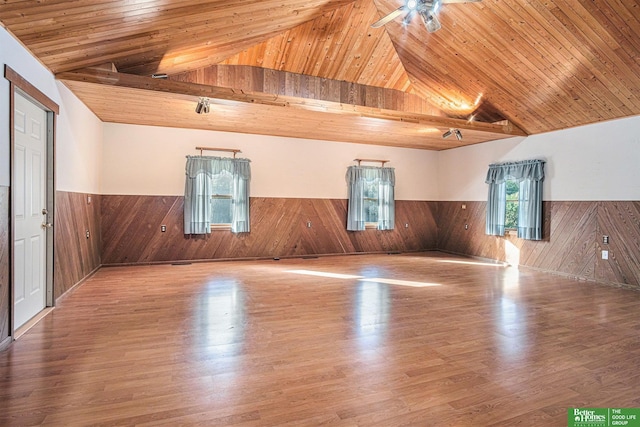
(603, 417)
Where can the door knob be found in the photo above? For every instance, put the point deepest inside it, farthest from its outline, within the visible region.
(46, 225)
(45, 211)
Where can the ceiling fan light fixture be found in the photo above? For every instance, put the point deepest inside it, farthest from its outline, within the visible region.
(455, 132)
(430, 21)
(428, 10)
(203, 106)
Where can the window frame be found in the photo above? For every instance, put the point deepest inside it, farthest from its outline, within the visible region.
(515, 202)
(222, 196)
(371, 224)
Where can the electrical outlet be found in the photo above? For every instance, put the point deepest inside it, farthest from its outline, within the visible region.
(464, 207)
(605, 254)
(466, 226)
(605, 240)
(88, 200)
(87, 234)
(406, 225)
(308, 224)
(163, 228)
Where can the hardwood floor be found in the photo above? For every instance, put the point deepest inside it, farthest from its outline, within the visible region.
(417, 339)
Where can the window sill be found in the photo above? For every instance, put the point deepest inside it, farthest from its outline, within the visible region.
(215, 227)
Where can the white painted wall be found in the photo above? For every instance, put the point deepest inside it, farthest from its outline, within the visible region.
(594, 162)
(79, 131)
(145, 160)
(79, 146)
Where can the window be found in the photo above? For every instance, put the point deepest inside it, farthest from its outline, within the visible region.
(222, 199)
(216, 194)
(515, 199)
(512, 203)
(370, 199)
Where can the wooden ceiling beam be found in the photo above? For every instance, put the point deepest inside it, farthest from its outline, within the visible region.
(109, 78)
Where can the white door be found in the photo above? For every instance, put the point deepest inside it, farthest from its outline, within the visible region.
(29, 199)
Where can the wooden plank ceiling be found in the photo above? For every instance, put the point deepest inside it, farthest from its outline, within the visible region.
(316, 69)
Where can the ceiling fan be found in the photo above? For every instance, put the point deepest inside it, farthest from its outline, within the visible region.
(425, 8)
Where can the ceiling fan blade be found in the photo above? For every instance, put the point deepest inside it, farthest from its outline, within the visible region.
(407, 19)
(459, 1)
(390, 17)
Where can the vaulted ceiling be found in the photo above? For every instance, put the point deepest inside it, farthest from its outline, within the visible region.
(316, 69)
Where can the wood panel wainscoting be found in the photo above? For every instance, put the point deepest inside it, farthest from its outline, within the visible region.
(5, 244)
(76, 255)
(425, 339)
(620, 221)
(279, 228)
(572, 239)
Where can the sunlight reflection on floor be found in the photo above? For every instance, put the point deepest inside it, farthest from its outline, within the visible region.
(365, 279)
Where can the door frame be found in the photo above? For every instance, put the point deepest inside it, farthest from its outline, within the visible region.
(18, 84)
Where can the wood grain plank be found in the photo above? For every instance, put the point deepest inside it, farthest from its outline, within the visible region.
(261, 113)
(288, 83)
(279, 228)
(570, 248)
(255, 344)
(339, 45)
(167, 31)
(621, 222)
(566, 54)
(76, 256)
(572, 239)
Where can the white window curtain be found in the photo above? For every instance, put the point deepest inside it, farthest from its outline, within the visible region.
(529, 174)
(356, 178)
(198, 191)
(240, 200)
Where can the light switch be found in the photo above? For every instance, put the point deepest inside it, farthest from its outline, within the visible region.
(605, 254)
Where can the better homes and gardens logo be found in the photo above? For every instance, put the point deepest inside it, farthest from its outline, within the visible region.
(589, 417)
(603, 417)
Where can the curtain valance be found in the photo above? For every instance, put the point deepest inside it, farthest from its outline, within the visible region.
(211, 165)
(367, 173)
(527, 169)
